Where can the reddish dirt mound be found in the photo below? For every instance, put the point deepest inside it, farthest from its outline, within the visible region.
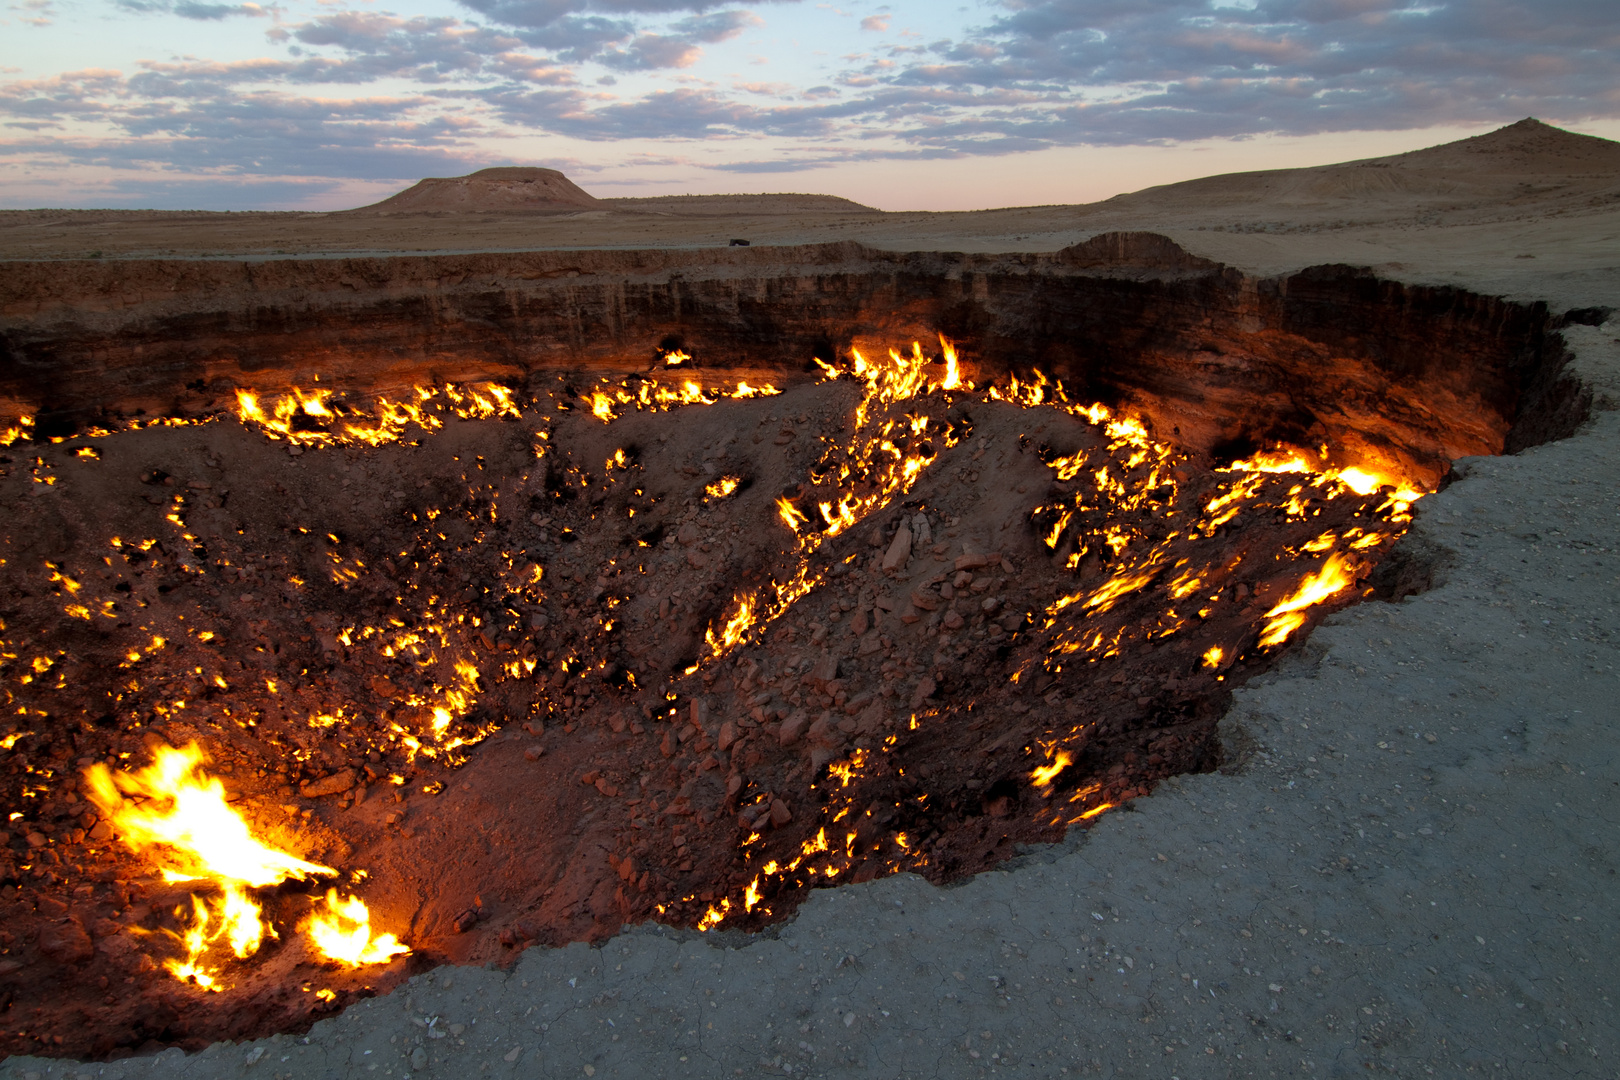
(538, 674)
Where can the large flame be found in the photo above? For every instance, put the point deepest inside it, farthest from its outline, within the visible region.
(186, 819)
(177, 816)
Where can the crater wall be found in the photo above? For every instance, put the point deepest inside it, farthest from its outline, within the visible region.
(1407, 377)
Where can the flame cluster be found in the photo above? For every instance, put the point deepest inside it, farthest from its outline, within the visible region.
(609, 399)
(321, 418)
(174, 814)
(1157, 542)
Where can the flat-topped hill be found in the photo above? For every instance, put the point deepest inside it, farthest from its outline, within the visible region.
(500, 190)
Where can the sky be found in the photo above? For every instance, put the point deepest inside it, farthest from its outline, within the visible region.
(906, 105)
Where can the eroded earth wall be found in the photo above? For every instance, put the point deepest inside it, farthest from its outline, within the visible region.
(1406, 377)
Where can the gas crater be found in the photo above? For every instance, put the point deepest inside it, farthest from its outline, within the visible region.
(492, 601)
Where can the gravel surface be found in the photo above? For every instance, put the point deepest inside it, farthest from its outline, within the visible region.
(1408, 867)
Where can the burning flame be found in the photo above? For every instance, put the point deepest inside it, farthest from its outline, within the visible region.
(342, 932)
(1045, 774)
(790, 515)
(735, 627)
(722, 487)
(183, 823)
(1336, 575)
(186, 814)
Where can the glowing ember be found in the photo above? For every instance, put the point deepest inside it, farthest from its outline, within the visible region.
(722, 487)
(1044, 775)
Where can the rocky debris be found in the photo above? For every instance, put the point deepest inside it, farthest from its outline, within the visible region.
(66, 941)
(561, 613)
(336, 784)
(793, 728)
(899, 552)
(921, 536)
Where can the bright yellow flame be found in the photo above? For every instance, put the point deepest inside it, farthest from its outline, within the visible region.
(953, 377)
(184, 823)
(723, 487)
(342, 932)
(1335, 576)
(1213, 656)
(1359, 480)
(789, 514)
(184, 812)
(1045, 774)
(714, 916)
(735, 627)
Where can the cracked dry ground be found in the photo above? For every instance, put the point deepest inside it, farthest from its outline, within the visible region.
(463, 669)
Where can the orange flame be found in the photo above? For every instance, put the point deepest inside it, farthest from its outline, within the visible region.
(1045, 774)
(790, 515)
(735, 627)
(1336, 575)
(343, 933)
(186, 815)
(186, 826)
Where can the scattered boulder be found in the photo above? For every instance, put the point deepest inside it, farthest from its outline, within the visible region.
(66, 942)
(920, 531)
(825, 671)
(336, 784)
(793, 728)
(899, 552)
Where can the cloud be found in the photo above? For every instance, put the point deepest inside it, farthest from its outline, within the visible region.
(1151, 70)
(720, 26)
(188, 9)
(649, 51)
(1034, 74)
(540, 14)
(36, 12)
(192, 9)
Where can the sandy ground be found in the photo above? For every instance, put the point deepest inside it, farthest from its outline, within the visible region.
(1407, 866)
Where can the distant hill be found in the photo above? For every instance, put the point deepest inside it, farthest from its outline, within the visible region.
(723, 205)
(516, 190)
(1526, 160)
(502, 190)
